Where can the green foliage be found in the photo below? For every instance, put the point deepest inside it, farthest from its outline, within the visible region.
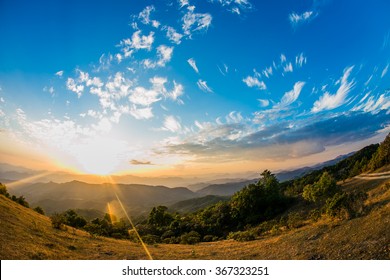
(151, 239)
(258, 202)
(294, 220)
(159, 217)
(345, 206)
(324, 188)
(73, 219)
(191, 238)
(57, 220)
(3, 190)
(39, 210)
(242, 236)
(382, 155)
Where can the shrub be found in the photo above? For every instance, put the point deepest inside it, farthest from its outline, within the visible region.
(343, 205)
(57, 221)
(39, 210)
(294, 220)
(151, 239)
(3, 190)
(242, 236)
(209, 238)
(191, 238)
(325, 187)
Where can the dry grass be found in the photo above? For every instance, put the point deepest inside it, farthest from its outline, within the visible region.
(25, 234)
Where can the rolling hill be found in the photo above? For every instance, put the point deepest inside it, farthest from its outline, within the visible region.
(58, 197)
(25, 234)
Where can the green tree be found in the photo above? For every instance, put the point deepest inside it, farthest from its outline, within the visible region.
(325, 187)
(3, 190)
(258, 202)
(39, 210)
(159, 217)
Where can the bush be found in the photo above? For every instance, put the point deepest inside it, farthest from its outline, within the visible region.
(191, 238)
(39, 210)
(242, 236)
(210, 238)
(294, 220)
(345, 206)
(151, 239)
(325, 187)
(3, 190)
(57, 221)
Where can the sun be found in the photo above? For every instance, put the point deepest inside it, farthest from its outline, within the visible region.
(99, 156)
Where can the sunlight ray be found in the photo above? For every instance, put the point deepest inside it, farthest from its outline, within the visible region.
(27, 180)
(116, 190)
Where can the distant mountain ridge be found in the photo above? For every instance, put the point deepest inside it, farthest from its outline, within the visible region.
(57, 197)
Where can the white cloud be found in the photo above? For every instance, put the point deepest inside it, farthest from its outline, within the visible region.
(263, 102)
(283, 58)
(372, 105)
(173, 36)
(144, 16)
(235, 6)
(203, 86)
(73, 86)
(164, 55)
(254, 82)
(192, 63)
(292, 95)
(268, 72)
(300, 60)
(60, 73)
(171, 124)
(288, 68)
(184, 3)
(296, 19)
(141, 113)
(384, 72)
(193, 22)
(331, 101)
(176, 92)
(143, 96)
(49, 90)
(234, 117)
(137, 42)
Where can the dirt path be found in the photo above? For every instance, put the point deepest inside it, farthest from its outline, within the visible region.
(374, 176)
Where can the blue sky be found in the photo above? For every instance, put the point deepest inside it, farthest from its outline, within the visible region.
(191, 87)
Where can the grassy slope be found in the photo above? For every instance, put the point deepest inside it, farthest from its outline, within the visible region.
(25, 234)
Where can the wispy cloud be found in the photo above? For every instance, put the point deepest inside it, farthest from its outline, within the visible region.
(144, 16)
(384, 72)
(300, 60)
(137, 42)
(60, 73)
(203, 86)
(235, 6)
(173, 35)
(171, 124)
(73, 86)
(193, 22)
(291, 96)
(254, 82)
(192, 63)
(330, 101)
(296, 19)
(164, 54)
(288, 68)
(263, 102)
(139, 162)
(141, 113)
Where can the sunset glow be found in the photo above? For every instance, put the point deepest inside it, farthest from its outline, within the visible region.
(180, 88)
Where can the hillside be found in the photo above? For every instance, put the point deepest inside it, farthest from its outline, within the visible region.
(57, 197)
(25, 234)
(195, 204)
